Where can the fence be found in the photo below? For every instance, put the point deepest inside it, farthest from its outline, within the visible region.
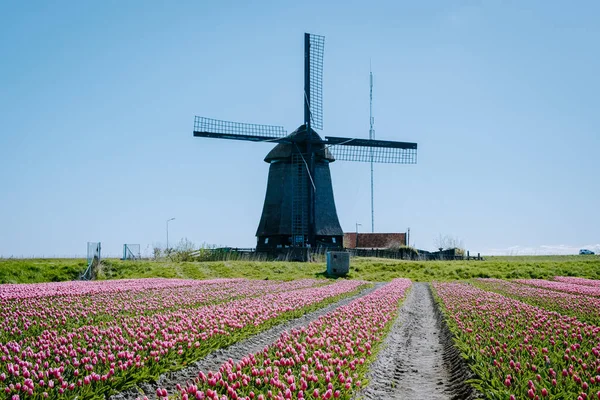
(131, 252)
(93, 259)
(400, 254)
(305, 254)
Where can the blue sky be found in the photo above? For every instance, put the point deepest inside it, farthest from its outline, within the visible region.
(97, 101)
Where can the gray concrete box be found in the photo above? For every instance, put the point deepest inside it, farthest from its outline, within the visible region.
(338, 263)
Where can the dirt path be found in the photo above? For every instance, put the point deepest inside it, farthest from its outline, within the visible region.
(236, 352)
(418, 360)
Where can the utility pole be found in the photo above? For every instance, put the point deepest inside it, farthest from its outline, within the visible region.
(371, 137)
(167, 249)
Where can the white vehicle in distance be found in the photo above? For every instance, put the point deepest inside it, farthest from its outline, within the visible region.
(585, 252)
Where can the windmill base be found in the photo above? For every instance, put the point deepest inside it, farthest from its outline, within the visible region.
(300, 254)
(283, 243)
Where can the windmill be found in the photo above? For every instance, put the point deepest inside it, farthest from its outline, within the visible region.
(299, 209)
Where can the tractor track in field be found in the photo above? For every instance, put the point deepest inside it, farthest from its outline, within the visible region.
(236, 351)
(418, 359)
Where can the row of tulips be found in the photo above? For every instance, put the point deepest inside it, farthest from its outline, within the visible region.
(585, 308)
(519, 351)
(93, 361)
(578, 281)
(78, 288)
(29, 315)
(562, 286)
(326, 359)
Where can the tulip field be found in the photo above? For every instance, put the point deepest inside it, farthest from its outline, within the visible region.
(577, 281)
(562, 286)
(585, 308)
(66, 305)
(326, 359)
(88, 340)
(523, 340)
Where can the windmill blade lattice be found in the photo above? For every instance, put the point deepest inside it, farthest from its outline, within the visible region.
(366, 150)
(208, 127)
(317, 47)
(375, 154)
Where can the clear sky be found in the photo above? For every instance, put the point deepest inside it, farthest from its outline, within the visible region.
(97, 102)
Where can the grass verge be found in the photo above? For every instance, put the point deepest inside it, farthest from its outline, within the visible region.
(370, 269)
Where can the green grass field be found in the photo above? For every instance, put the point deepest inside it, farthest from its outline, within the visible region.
(371, 269)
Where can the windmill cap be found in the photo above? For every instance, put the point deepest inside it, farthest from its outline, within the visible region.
(283, 151)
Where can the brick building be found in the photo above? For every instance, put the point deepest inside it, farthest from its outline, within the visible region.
(374, 240)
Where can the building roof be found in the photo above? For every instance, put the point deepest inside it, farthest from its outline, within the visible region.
(374, 240)
(284, 151)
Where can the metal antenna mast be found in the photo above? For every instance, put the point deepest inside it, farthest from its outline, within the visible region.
(371, 137)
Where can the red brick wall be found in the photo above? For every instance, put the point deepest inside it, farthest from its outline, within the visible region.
(373, 240)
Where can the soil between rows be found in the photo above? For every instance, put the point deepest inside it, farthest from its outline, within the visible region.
(418, 359)
(236, 351)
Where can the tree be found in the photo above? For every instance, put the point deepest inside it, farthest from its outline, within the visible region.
(446, 242)
(184, 250)
(156, 251)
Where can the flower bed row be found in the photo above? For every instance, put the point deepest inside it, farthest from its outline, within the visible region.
(326, 359)
(577, 281)
(93, 361)
(29, 315)
(585, 308)
(519, 351)
(78, 288)
(561, 286)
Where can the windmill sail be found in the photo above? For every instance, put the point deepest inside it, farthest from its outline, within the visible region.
(367, 150)
(313, 76)
(214, 128)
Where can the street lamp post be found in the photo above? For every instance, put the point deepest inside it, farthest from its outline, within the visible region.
(167, 249)
(357, 225)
